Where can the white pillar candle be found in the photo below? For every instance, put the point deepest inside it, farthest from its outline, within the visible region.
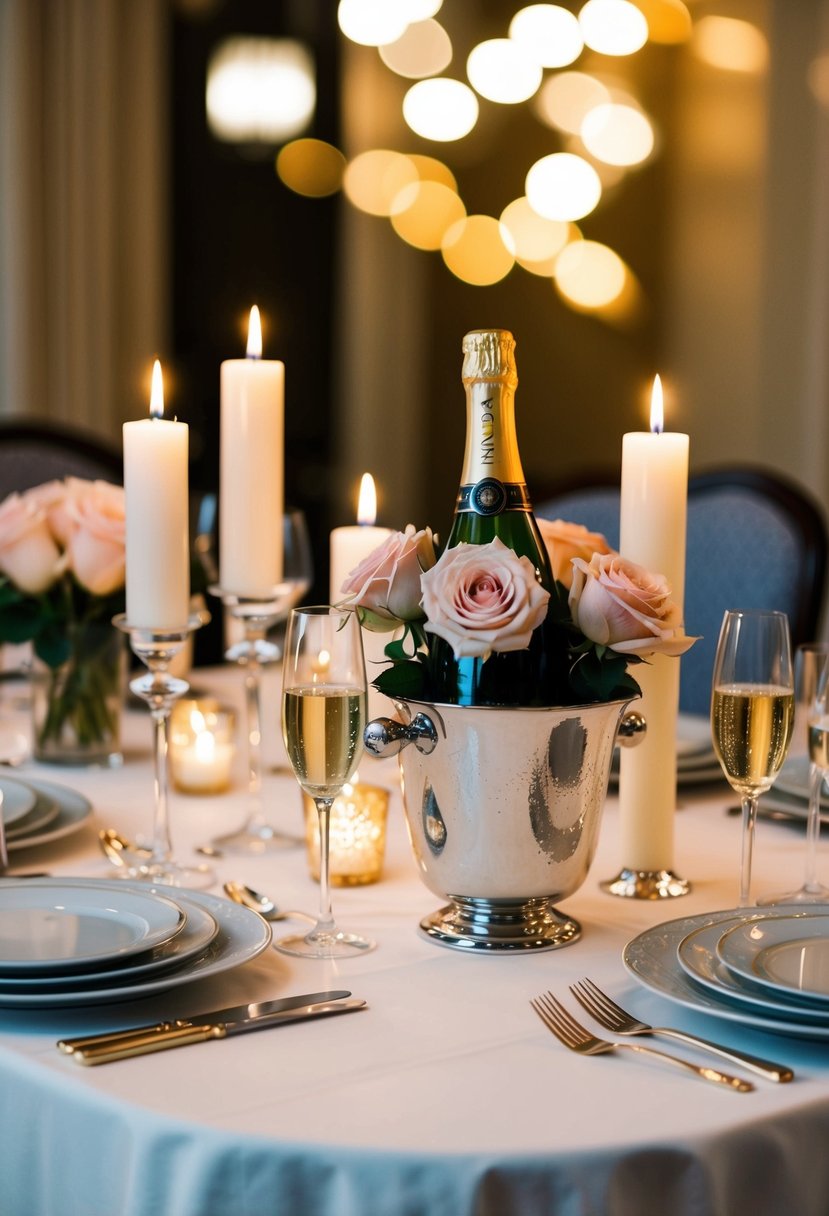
(251, 469)
(652, 533)
(157, 517)
(348, 546)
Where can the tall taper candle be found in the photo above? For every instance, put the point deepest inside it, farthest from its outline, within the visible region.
(157, 510)
(251, 469)
(652, 533)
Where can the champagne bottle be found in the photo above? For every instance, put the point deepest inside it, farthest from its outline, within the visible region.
(493, 501)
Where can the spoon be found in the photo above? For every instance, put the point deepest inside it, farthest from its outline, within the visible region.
(261, 903)
(120, 851)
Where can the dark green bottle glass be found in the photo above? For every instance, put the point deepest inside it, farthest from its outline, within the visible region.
(493, 501)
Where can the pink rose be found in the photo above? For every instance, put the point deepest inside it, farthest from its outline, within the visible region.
(483, 598)
(97, 543)
(29, 555)
(564, 541)
(623, 606)
(53, 498)
(386, 584)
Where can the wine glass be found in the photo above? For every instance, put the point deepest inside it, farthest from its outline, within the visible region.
(256, 617)
(752, 712)
(324, 702)
(812, 721)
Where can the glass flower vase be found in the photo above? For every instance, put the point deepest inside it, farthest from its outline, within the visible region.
(76, 706)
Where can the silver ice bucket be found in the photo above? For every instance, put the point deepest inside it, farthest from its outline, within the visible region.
(503, 808)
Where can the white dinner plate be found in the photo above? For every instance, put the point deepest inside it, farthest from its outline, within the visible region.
(693, 738)
(44, 812)
(199, 931)
(651, 958)
(73, 811)
(785, 952)
(18, 800)
(697, 956)
(49, 926)
(243, 934)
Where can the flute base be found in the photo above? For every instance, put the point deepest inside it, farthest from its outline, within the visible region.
(324, 944)
(256, 841)
(815, 894)
(646, 884)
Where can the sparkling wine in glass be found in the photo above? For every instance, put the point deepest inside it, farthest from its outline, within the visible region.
(752, 712)
(324, 700)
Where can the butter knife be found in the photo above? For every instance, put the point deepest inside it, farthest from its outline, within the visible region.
(218, 1024)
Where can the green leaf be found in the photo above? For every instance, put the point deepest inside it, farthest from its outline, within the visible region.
(406, 679)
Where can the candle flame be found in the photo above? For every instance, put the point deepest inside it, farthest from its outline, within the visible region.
(367, 504)
(657, 407)
(254, 350)
(197, 722)
(157, 392)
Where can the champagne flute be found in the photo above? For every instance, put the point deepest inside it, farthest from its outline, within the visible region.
(324, 702)
(752, 712)
(811, 727)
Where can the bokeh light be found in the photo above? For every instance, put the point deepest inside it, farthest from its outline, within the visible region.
(373, 180)
(260, 90)
(535, 239)
(311, 167)
(618, 134)
(613, 27)
(425, 49)
(589, 275)
(548, 34)
(420, 10)
(500, 70)
(565, 99)
(372, 22)
(734, 46)
(430, 169)
(442, 110)
(423, 211)
(563, 186)
(475, 251)
(669, 21)
(818, 78)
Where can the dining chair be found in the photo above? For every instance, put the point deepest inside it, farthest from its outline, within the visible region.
(755, 539)
(35, 450)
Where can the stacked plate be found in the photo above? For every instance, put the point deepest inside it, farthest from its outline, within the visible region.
(37, 812)
(86, 942)
(767, 967)
(790, 792)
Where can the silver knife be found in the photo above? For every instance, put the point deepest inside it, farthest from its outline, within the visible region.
(218, 1024)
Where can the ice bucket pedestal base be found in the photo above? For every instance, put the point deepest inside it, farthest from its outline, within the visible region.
(499, 925)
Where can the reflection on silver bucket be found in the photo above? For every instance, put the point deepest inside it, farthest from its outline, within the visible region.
(503, 809)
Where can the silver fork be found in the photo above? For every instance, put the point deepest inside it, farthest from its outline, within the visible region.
(573, 1035)
(613, 1017)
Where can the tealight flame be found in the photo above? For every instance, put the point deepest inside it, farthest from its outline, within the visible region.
(254, 349)
(205, 747)
(197, 722)
(657, 407)
(367, 503)
(157, 392)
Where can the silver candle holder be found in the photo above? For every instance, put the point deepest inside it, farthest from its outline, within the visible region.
(156, 648)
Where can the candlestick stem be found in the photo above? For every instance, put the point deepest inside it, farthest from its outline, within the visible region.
(156, 649)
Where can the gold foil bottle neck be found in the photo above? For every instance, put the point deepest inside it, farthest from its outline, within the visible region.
(489, 354)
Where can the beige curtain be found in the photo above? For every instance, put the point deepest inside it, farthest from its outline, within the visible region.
(83, 158)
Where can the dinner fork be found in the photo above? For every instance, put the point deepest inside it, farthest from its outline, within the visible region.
(613, 1017)
(573, 1035)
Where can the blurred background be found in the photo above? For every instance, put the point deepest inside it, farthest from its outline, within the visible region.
(631, 188)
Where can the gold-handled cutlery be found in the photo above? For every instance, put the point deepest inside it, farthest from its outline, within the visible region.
(614, 1018)
(573, 1035)
(219, 1024)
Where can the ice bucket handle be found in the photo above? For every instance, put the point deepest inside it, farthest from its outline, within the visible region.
(386, 736)
(632, 729)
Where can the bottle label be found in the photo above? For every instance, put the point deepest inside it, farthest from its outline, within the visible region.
(489, 496)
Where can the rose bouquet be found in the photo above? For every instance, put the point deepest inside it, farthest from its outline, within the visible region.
(62, 561)
(605, 612)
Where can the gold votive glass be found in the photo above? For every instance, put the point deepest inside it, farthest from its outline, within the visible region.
(202, 746)
(356, 836)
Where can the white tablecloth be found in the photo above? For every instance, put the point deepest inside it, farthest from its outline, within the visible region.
(447, 1096)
